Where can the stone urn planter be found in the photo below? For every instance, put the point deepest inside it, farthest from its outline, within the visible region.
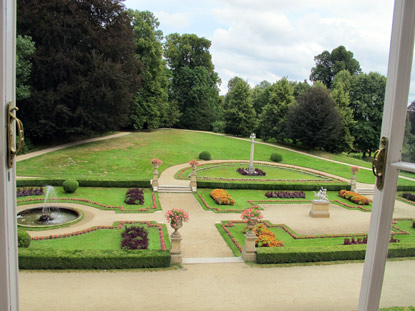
(176, 217)
(193, 182)
(155, 181)
(251, 217)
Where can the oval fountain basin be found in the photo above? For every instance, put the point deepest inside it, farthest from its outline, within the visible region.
(59, 215)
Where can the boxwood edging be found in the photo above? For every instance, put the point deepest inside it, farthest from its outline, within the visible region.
(273, 186)
(269, 255)
(34, 182)
(92, 259)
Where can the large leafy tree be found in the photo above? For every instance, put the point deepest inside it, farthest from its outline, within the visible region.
(329, 64)
(314, 121)
(273, 117)
(367, 95)
(25, 47)
(194, 82)
(151, 103)
(84, 75)
(240, 117)
(340, 94)
(259, 96)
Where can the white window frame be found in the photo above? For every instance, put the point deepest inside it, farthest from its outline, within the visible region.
(9, 284)
(393, 127)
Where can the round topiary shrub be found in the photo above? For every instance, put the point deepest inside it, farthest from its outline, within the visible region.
(23, 238)
(276, 157)
(205, 155)
(70, 185)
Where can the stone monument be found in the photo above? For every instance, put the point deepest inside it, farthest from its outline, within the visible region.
(320, 207)
(251, 159)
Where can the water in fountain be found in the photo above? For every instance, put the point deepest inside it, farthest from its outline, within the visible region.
(50, 193)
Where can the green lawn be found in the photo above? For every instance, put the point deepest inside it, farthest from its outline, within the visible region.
(229, 170)
(316, 241)
(128, 157)
(242, 197)
(101, 239)
(105, 196)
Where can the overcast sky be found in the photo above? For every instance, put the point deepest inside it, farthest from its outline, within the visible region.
(269, 39)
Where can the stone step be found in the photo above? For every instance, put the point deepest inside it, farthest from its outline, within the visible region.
(366, 191)
(174, 189)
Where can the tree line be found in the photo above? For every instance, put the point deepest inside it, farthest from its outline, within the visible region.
(92, 66)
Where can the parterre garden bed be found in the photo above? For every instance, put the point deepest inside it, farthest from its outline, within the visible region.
(310, 248)
(86, 249)
(253, 198)
(102, 198)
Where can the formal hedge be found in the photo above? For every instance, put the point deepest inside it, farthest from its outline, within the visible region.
(273, 186)
(37, 259)
(269, 255)
(85, 183)
(406, 188)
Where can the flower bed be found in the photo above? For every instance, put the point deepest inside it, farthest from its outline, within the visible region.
(246, 172)
(217, 209)
(409, 196)
(134, 237)
(285, 194)
(266, 238)
(25, 192)
(354, 197)
(134, 196)
(221, 197)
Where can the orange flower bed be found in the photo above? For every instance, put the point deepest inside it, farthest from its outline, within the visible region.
(221, 197)
(265, 237)
(354, 197)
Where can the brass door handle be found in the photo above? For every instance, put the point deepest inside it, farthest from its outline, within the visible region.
(379, 163)
(11, 118)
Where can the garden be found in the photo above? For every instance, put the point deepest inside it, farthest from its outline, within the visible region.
(114, 180)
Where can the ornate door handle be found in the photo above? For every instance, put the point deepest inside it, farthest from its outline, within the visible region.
(11, 118)
(379, 163)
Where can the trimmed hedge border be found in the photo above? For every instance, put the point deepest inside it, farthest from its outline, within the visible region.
(273, 186)
(34, 200)
(36, 259)
(84, 183)
(275, 255)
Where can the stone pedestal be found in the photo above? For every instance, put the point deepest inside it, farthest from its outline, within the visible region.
(249, 251)
(353, 183)
(175, 250)
(193, 183)
(155, 181)
(320, 209)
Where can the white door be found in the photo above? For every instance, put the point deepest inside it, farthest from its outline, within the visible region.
(8, 237)
(393, 127)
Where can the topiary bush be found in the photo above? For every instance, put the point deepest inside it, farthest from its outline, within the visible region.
(23, 238)
(70, 185)
(276, 157)
(205, 155)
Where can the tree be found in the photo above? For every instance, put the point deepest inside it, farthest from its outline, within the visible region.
(367, 94)
(194, 83)
(84, 73)
(329, 64)
(172, 115)
(340, 94)
(259, 96)
(315, 121)
(299, 88)
(273, 117)
(152, 98)
(240, 116)
(25, 47)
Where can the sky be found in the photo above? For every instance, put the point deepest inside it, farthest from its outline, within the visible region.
(270, 39)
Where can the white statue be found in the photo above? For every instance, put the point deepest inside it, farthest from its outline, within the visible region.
(321, 195)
